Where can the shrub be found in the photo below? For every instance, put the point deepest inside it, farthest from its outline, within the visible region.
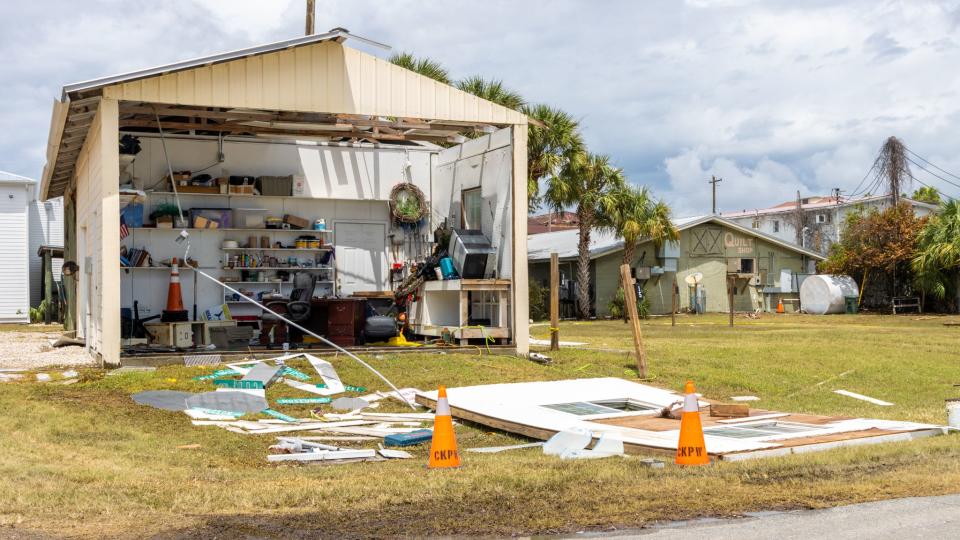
(617, 307)
(538, 301)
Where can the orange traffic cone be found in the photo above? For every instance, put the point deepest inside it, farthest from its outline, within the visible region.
(443, 448)
(174, 311)
(780, 306)
(691, 450)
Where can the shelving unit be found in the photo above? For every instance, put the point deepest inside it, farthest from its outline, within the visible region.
(225, 229)
(217, 260)
(290, 268)
(285, 250)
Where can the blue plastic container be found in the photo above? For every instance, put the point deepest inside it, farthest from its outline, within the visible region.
(446, 268)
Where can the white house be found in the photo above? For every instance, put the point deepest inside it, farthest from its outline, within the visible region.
(819, 222)
(46, 229)
(15, 194)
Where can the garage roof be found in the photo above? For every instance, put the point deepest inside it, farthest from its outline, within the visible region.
(277, 88)
(564, 243)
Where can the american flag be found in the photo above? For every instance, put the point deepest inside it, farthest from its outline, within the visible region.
(124, 230)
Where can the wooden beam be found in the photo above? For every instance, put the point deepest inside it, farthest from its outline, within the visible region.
(630, 302)
(151, 111)
(240, 128)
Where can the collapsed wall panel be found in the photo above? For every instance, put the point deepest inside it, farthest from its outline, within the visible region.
(631, 411)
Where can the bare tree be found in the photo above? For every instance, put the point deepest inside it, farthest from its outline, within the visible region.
(892, 165)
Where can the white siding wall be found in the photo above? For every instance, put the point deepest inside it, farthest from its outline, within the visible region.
(14, 289)
(484, 162)
(46, 229)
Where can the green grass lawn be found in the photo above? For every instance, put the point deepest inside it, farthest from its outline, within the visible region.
(84, 460)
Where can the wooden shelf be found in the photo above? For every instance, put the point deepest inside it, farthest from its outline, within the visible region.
(239, 196)
(318, 268)
(231, 283)
(167, 268)
(287, 250)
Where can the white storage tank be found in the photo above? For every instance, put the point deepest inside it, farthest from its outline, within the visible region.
(824, 293)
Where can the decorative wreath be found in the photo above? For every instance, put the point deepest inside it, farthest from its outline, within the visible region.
(407, 203)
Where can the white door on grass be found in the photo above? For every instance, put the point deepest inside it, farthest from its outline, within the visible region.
(361, 256)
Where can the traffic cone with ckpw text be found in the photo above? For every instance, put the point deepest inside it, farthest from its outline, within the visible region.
(691, 450)
(443, 448)
(174, 311)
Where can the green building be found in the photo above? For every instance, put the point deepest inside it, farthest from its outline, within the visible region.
(710, 251)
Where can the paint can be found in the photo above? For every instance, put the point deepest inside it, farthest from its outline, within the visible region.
(953, 413)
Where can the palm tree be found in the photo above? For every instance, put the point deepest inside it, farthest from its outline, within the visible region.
(937, 258)
(635, 216)
(590, 183)
(492, 90)
(553, 136)
(423, 66)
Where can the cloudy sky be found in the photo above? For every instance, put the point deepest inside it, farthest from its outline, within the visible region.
(773, 96)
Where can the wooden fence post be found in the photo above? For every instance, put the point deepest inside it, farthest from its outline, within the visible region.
(630, 301)
(674, 291)
(731, 285)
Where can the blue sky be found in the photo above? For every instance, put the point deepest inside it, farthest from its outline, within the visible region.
(773, 96)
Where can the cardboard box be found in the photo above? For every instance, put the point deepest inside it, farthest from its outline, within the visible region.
(296, 222)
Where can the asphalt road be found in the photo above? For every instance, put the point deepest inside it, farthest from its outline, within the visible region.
(916, 517)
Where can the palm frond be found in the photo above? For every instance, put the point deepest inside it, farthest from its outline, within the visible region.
(423, 66)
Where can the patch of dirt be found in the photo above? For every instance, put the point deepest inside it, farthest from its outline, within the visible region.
(32, 350)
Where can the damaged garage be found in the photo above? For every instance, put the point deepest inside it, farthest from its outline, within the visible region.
(304, 175)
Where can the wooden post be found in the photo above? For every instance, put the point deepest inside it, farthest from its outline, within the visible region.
(310, 17)
(673, 300)
(630, 301)
(48, 285)
(731, 285)
(554, 302)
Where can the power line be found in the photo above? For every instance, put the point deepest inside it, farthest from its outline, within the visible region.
(931, 164)
(921, 182)
(856, 191)
(954, 184)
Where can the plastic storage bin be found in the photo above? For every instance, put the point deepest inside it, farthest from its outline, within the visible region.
(250, 218)
(211, 218)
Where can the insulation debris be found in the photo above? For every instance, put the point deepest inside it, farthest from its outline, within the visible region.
(349, 404)
(168, 400)
(228, 400)
(263, 373)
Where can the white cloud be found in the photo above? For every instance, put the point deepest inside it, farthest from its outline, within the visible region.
(777, 95)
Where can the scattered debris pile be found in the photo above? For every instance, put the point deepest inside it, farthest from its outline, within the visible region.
(240, 390)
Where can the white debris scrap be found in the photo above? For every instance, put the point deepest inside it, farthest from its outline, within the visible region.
(862, 397)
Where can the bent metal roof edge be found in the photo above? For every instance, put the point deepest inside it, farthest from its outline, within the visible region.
(539, 246)
(336, 33)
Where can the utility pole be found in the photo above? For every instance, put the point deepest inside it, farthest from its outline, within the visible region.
(714, 181)
(554, 301)
(310, 14)
(798, 219)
